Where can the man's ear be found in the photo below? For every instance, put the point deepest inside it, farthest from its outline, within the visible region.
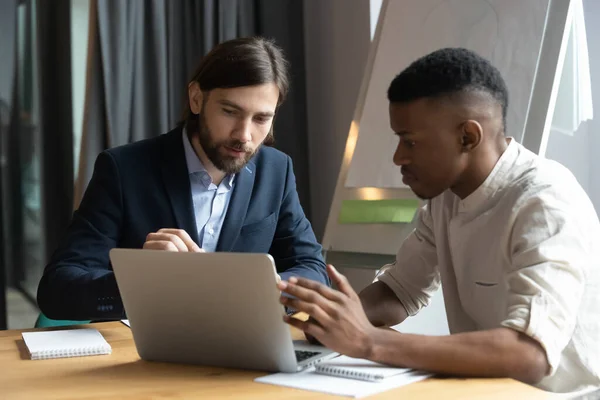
(195, 97)
(471, 135)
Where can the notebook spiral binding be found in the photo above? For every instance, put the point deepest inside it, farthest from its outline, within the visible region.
(344, 372)
(75, 352)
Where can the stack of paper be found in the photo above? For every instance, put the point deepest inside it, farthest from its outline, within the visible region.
(380, 378)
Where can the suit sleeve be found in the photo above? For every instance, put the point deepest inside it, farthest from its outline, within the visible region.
(78, 283)
(295, 247)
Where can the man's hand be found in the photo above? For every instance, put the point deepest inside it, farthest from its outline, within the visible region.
(337, 319)
(311, 339)
(171, 240)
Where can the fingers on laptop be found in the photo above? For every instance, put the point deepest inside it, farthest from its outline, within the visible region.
(176, 240)
(311, 339)
(311, 328)
(321, 311)
(321, 303)
(341, 282)
(160, 245)
(305, 286)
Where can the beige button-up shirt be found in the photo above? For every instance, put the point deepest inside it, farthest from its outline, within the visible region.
(523, 252)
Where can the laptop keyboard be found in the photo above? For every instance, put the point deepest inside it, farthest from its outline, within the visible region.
(304, 355)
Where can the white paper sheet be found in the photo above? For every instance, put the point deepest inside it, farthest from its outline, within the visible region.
(309, 380)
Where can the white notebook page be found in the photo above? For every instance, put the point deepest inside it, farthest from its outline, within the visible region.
(66, 343)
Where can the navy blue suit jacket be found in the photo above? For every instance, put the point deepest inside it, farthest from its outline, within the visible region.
(144, 186)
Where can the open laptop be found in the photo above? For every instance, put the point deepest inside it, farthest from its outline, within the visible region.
(214, 309)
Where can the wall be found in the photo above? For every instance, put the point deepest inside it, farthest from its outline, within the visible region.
(572, 152)
(375, 7)
(579, 152)
(336, 40)
(592, 16)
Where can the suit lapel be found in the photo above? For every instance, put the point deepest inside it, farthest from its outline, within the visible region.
(238, 206)
(177, 182)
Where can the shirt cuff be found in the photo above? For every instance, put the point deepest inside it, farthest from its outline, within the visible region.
(400, 292)
(537, 322)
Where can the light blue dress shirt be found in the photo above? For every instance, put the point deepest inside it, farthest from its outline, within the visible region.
(210, 201)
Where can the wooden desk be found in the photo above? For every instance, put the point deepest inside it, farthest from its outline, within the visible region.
(123, 375)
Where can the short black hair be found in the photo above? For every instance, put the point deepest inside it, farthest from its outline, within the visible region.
(448, 71)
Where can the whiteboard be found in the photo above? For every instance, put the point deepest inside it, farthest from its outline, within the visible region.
(509, 33)
(529, 55)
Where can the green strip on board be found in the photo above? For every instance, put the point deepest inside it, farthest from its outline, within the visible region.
(393, 211)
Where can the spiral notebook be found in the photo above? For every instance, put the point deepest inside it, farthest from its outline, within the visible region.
(66, 343)
(342, 386)
(357, 368)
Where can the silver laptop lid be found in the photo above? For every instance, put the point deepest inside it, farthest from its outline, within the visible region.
(217, 309)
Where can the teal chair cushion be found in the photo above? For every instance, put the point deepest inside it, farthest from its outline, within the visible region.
(45, 322)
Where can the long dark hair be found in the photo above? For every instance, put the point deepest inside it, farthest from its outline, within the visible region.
(235, 63)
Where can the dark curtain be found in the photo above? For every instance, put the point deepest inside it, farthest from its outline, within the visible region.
(53, 21)
(283, 21)
(142, 52)
(8, 17)
(139, 56)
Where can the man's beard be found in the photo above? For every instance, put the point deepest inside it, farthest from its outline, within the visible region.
(214, 150)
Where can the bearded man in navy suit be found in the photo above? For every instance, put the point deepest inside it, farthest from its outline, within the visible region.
(208, 185)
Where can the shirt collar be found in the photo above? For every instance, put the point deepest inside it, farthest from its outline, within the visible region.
(494, 181)
(195, 166)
